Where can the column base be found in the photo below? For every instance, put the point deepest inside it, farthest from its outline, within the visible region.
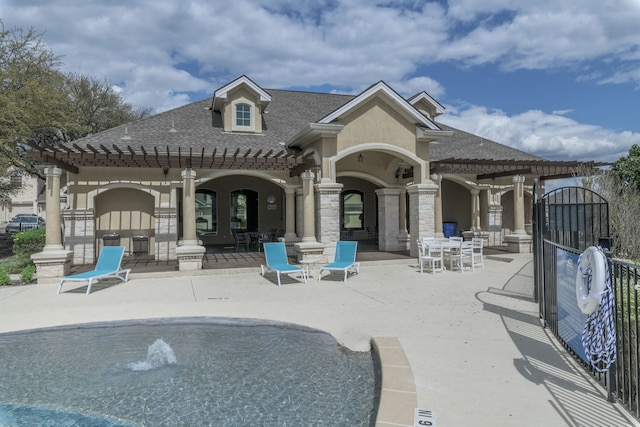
(52, 264)
(306, 250)
(518, 243)
(190, 257)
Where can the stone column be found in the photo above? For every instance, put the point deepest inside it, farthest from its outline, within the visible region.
(388, 219)
(309, 246)
(475, 209)
(290, 213)
(309, 222)
(189, 253)
(519, 241)
(518, 205)
(189, 207)
(437, 208)
(54, 261)
(329, 216)
(421, 212)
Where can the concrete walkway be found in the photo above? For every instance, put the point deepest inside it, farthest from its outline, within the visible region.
(478, 353)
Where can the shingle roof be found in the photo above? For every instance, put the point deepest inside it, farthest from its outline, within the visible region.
(464, 145)
(193, 136)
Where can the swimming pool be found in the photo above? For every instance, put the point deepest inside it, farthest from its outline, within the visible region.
(227, 372)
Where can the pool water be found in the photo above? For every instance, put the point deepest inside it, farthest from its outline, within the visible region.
(225, 373)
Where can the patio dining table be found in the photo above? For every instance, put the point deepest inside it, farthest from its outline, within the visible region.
(449, 248)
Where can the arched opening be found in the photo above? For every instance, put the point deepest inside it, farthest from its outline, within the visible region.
(243, 210)
(124, 216)
(206, 211)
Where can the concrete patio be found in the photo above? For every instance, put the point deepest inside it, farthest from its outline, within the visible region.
(477, 351)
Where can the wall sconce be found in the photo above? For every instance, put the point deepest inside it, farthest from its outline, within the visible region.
(165, 171)
(360, 158)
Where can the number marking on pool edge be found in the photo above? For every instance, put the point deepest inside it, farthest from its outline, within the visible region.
(424, 417)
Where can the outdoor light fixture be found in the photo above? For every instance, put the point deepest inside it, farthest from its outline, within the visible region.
(360, 158)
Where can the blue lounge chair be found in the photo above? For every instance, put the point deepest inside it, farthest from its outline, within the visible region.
(344, 260)
(108, 266)
(275, 256)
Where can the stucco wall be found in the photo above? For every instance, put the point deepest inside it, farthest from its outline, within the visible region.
(376, 121)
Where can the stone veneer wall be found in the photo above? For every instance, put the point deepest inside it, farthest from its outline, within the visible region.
(388, 219)
(422, 200)
(79, 235)
(166, 233)
(327, 203)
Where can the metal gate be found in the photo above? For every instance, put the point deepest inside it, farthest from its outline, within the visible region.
(566, 221)
(568, 218)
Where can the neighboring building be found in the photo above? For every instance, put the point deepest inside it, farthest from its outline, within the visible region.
(28, 198)
(316, 166)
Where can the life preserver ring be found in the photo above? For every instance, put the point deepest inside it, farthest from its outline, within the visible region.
(590, 279)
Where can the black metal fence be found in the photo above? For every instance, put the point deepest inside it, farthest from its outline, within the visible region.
(625, 381)
(567, 221)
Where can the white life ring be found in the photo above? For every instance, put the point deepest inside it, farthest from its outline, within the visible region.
(590, 279)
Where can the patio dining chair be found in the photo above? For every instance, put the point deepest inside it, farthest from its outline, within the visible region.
(477, 255)
(432, 254)
(460, 254)
(240, 239)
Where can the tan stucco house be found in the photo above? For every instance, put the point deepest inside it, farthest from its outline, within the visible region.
(311, 167)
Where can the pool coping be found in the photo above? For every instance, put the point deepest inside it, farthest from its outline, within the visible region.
(398, 396)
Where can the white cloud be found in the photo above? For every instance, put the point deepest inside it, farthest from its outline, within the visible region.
(550, 136)
(161, 53)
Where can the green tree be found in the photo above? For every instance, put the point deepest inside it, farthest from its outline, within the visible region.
(41, 105)
(32, 105)
(627, 168)
(96, 106)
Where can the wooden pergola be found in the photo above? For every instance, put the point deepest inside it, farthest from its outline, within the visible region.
(487, 169)
(70, 158)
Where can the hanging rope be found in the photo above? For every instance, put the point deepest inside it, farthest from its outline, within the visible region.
(599, 334)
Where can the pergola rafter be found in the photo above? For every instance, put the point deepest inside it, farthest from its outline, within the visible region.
(70, 158)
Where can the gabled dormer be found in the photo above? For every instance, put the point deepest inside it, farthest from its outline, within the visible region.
(427, 105)
(383, 91)
(241, 104)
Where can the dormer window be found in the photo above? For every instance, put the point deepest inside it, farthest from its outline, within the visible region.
(243, 115)
(241, 104)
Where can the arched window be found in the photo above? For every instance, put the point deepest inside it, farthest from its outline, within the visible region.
(243, 115)
(352, 210)
(206, 211)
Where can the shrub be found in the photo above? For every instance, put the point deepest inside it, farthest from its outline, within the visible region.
(4, 277)
(13, 265)
(27, 273)
(27, 243)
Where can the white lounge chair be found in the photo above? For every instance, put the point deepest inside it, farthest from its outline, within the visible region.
(344, 260)
(275, 256)
(108, 266)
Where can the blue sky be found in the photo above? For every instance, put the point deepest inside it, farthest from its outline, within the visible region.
(555, 78)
